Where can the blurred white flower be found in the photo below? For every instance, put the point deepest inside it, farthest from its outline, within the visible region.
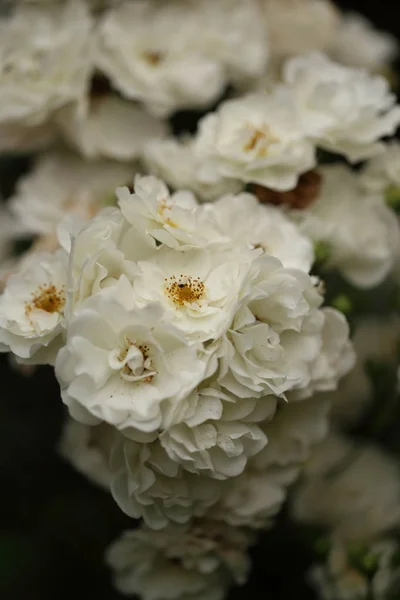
(343, 109)
(147, 484)
(154, 53)
(295, 429)
(109, 127)
(45, 60)
(61, 184)
(374, 340)
(257, 138)
(351, 488)
(360, 231)
(299, 26)
(88, 450)
(179, 165)
(358, 44)
(381, 174)
(255, 497)
(196, 562)
(32, 308)
(227, 25)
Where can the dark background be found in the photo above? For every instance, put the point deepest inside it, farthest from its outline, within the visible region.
(54, 526)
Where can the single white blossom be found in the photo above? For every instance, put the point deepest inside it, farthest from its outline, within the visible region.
(375, 341)
(109, 127)
(280, 340)
(358, 44)
(195, 562)
(214, 436)
(172, 220)
(381, 174)
(299, 26)
(121, 361)
(353, 489)
(248, 222)
(227, 25)
(88, 450)
(157, 53)
(61, 184)
(343, 109)
(147, 484)
(295, 429)
(255, 497)
(200, 290)
(32, 308)
(257, 138)
(179, 165)
(100, 253)
(45, 60)
(360, 231)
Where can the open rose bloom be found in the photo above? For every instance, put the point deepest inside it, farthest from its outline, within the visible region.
(199, 299)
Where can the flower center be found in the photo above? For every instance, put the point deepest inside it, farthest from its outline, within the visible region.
(133, 363)
(261, 138)
(47, 298)
(185, 290)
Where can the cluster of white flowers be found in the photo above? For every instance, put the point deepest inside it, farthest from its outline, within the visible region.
(175, 278)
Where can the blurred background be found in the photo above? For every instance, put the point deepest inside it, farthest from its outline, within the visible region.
(54, 525)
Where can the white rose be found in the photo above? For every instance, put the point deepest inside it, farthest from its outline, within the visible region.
(211, 440)
(352, 489)
(109, 127)
(200, 290)
(257, 138)
(100, 253)
(61, 184)
(169, 220)
(358, 44)
(147, 484)
(337, 357)
(248, 222)
(195, 562)
(298, 26)
(254, 498)
(32, 308)
(231, 24)
(45, 60)
(275, 341)
(361, 232)
(177, 163)
(154, 53)
(293, 432)
(120, 361)
(381, 175)
(88, 450)
(343, 109)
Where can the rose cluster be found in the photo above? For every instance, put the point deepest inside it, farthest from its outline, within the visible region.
(177, 282)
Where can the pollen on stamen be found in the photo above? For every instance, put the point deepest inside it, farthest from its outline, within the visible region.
(185, 290)
(47, 298)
